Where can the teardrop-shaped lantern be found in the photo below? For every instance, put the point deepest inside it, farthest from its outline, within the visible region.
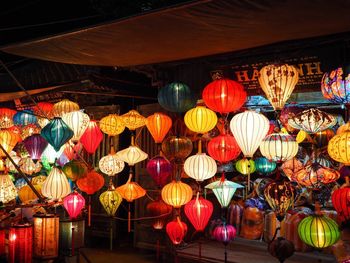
(75, 170)
(160, 169)
(224, 233)
(6, 117)
(57, 133)
(199, 211)
(64, 106)
(132, 155)
(177, 148)
(24, 117)
(56, 185)
(91, 183)
(335, 86)
(224, 148)
(35, 146)
(8, 191)
(111, 164)
(176, 231)
(74, 203)
(223, 190)
(111, 200)
(133, 120)
(160, 211)
(158, 125)
(176, 194)
(278, 83)
(249, 129)
(264, 166)
(92, 137)
(8, 141)
(200, 167)
(78, 121)
(200, 119)
(245, 166)
(112, 125)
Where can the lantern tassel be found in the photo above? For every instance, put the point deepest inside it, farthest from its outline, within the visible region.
(89, 210)
(129, 220)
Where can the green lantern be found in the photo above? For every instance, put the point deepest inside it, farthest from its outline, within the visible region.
(110, 201)
(245, 166)
(57, 133)
(318, 231)
(264, 166)
(75, 170)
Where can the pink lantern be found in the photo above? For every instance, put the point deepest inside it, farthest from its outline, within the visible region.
(159, 168)
(74, 203)
(35, 146)
(224, 233)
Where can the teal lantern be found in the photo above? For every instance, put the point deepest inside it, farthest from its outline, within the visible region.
(24, 118)
(57, 133)
(176, 97)
(264, 166)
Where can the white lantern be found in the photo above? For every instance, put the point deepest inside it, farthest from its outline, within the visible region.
(8, 191)
(111, 164)
(223, 190)
(56, 185)
(249, 128)
(132, 155)
(78, 121)
(279, 147)
(200, 167)
(28, 166)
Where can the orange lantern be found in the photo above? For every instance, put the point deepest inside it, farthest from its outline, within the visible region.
(176, 194)
(26, 194)
(133, 120)
(63, 107)
(91, 183)
(112, 125)
(72, 150)
(6, 117)
(158, 125)
(8, 140)
(43, 109)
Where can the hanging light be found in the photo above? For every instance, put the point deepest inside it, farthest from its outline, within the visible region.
(57, 133)
(200, 119)
(158, 125)
(131, 191)
(50, 154)
(160, 211)
(91, 183)
(176, 231)
(20, 243)
(245, 166)
(24, 118)
(8, 191)
(112, 125)
(26, 194)
(199, 211)
(223, 190)
(2, 243)
(29, 130)
(224, 148)
(72, 150)
(74, 203)
(249, 129)
(264, 166)
(176, 194)
(278, 83)
(35, 146)
(322, 138)
(75, 169)
(8, 141)
(340, 201)
(224, 233)
(200, 167)
(92, 137)
(64, 106)
(291, 167)
(29, 167)
(178, 148)
(43, 109)
(56, 185)
(160, 169)
(111, 164)
(111, 200)
(338, 148)
(6, 118)
(78, 121)
(335, 88)
(132, 155)
(133, 120)
(40, 179)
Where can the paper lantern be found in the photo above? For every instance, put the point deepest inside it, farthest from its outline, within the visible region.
(278, 83)
(26, 194)
(6, 118)
(224, 148)
(176, 231)
(264, 166)
(223, 190)
(56, 185)
(312, 121)
(340, 201)
(343, 128)
(199, 211)
(338, 148)
(75, 169)
(92, 137)
(24, 117)
(46, 236)
(176, 194)
(132, 155)
(78, 121)
(334, 87)
(131, 191)
(133, 120)
(318, 231)
(224, 233)
(8, 191)
(91, 183)
(200, 167)
(176, 97)
(279, 147)
(74, 203)
(158, 125)
(27, 166)
(224, 95)
(72, 236)
(160, 210)
(8, 141)
(20, 243)
(112, 125)
(245, 166)
(35, 146)
(249, 129)
(111, 164)
(64, 106)
(50, 154)
(111, 200)
(57, 133)
(178, 148)
(200, 119)
(160, 169)
(72, 150)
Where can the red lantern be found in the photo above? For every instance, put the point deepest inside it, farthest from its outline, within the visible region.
(199, 211)
(176, 231)
(92, 137)
(91, 183)
(160, 210)
(20, 243)
(224, 148)
(224, 95)
(2, 243)
(341, 201)
(224, 233)
(74, 203)
(159, 168)
(71, 150)
(158, 125)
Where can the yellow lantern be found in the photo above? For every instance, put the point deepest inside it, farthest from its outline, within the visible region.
(245, 166)
(131, 190)
(338, 147)
(78, 121)
(158, 125)
(8, 140)
(64, 106)
(112, 125)
(40, 179)
(177, 194)
(200, 119)
(111, 200)
(8, 191)
(133, 120)
(56, 185)
(26, 194)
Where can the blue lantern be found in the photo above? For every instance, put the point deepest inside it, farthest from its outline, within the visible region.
(176, 97)
(57, 133)
(24, 117)
(264, 166)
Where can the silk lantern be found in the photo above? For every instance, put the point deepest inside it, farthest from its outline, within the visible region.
(160, 211)
(176, 231)
(341, 200)
(6, 118)
(24, 117)
(177, 147)
(176, 97)
(92, 137)
(176, 194)
(64, 106)
(57, 133)
(322, 138)
(2, 243)
(199, 211)
(160, 169)
(338, 148)
(224, 95)
(132, 155)
(111, 164)
(133, 120)
(56, 185)
(200, 167)
(111, 200)
(26, 194)
(279, 147)
(112, 125)
(8, 191)
(158, 125)
(91, 183)
(50, 154)
(264, 166)
(249, 129)
(245, 166)
(72, 150)
(27, 166)
(35, 146)
(223, 190)
(278, 83)
(224, 233)
(200, 119)
(78, 121)
(20, 243)
(8, 141)
(131, 191)
(336, 87)
(75, 169)
(223, 148)
(40, 179)
(74, 203)
(43, 109)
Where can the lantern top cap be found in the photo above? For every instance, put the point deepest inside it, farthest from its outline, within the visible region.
(220, 184)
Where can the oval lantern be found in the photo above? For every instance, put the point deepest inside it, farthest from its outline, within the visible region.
(199, 211)
(224, 95)
(24, 118)
(56, 185)
(111, 164)
(92, 137)
(249, 129)
(74, 203)
(178, 148)
(245, 166)
(132, 155)
(176, 194)
(35, 146)
(26, 194)
(160, 169)
(338, 148)
(6, 117)
(200, 119)
(341, 201)
(223, 190)
(64, 106)
(200, 167)
(91, 183)
(336, 87)
(78, 121)
(158, 125)
(133, 120)
(8, 141)
(224, 148)
(112, 125)
(176, 231)
(224, 233)
(160, 211)
(8, 191)
(318, 231)
(75, 170)
(111, 201)
(176, 97)
(57, 133)
(264, 166)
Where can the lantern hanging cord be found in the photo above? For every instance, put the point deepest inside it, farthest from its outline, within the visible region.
(141, 218)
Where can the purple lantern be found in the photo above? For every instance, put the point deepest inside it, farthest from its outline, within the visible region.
(35, 146)
(160, 169)
(224, 233)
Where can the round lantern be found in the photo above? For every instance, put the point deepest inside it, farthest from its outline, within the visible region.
(131, 191)
(340, 201)
(8, 191)
(160, 210)
(249, 129)
(224, 95)
(78, 121)
(200, 119)
(133, 120)
(43, 109)
(176, 194)
(8, 141)
(338, 148)
(50, 154)
(56, 185)
(35, 146)
(57, 133)
(72, 150)
(6, 118)
(160, 169)
(199, 211)
(111, 200)
(177, 148)
(224, 233)
(322, 138)
(111, 164)
(245, 166)
(91, 183)
(336, 87)
(92, 137)
(29, 130)
(200, 167)
(223, 190)
(26, 194)
(24, 118)
(312, 121)
(64, 106)
(112, 125)
(20, 243)
(132, 155)
(176, 97)
(264, 166)
(223, 148)
(75, 169)
(279, 147)
(176, 231)
(158, 125)
(278, 83)
(29, 167)
(74, 203)
(318, 231)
